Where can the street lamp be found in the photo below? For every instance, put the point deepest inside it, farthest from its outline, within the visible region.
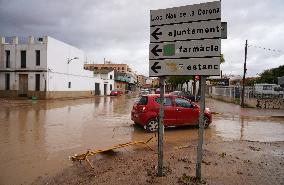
(69, 60)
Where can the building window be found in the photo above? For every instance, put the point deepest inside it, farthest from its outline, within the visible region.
(110, 77)
(7, 58)
(117, 86)
(118, 68)
(37, 82)
(7, 81)
(23, 59)
(122, 68)
(37, 57)
(110, 87)
(69, 84)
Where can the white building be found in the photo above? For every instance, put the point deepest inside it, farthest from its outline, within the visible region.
(46, 68)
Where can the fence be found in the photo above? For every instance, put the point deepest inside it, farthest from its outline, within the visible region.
(252, 99)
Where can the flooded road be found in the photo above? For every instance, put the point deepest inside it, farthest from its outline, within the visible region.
(36, 138)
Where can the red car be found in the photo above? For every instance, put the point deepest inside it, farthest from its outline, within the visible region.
(115, 93)
(178, 111)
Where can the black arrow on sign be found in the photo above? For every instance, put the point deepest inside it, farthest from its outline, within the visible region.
(155, 50)
(154, 67)
(154, 34)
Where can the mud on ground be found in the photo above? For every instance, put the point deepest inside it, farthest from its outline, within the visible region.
(224, 162)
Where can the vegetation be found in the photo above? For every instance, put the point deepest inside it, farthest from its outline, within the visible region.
(270, 75)
(174, 81)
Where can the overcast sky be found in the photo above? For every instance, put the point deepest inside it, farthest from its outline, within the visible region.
(118, 30)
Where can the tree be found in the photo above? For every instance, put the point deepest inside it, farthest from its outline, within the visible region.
(270, 75)
(176, 80)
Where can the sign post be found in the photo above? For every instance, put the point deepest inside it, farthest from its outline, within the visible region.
(161, 128)
(185, 41)
(201, 127)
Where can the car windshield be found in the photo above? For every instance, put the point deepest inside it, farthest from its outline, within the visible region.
(180, 102)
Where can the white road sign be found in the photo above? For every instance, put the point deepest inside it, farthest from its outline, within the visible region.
(186, 40)
(194, 66)
(185, 49)
(197, 12)
(186, 31)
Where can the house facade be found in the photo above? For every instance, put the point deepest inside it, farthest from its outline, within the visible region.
(125, 78)
(45, 68)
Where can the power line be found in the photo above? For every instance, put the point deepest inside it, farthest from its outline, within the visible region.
(264, 48)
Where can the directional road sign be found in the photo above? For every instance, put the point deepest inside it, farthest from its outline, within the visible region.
(193, 66)
(186, 31)
(185, 49)
(186, 40)
(190, 13)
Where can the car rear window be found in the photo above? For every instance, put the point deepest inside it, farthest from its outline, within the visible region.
(143, 100)
(167, 101)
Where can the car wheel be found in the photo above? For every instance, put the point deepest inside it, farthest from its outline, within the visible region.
(152, 125)
(206, 122)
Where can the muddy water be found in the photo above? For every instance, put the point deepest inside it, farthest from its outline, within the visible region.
(268, 130)
(36, 138)
(232, 122)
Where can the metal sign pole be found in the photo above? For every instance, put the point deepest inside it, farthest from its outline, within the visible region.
(161, 128)
(201, 126)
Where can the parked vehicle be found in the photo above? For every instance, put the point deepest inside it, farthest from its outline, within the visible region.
(144, 92)
(157, 91)
(266, 90)
(178, 111)
(186, 95)
(115, 92)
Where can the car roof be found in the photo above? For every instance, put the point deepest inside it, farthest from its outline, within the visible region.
(166, 95)
(157, 95)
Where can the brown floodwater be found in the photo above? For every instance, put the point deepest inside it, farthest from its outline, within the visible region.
(36, 137)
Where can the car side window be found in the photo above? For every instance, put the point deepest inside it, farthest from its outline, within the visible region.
(180, 102)
(167, 101)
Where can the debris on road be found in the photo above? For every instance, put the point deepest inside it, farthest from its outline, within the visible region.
(188, 180)
(223, 154)
(84, 156)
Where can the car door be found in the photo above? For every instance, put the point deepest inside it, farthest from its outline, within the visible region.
(169, 111)
(186, 114)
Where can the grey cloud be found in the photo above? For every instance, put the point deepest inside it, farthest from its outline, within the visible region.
(119, 30)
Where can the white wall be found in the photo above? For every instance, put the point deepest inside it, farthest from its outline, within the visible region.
(15, 64)
(15, 55)
(54, 56)
(60, 73)
(105, 79)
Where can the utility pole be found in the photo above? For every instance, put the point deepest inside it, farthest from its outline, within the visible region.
(244, 77)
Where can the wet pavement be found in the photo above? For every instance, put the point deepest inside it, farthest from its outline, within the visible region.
(36, 137)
